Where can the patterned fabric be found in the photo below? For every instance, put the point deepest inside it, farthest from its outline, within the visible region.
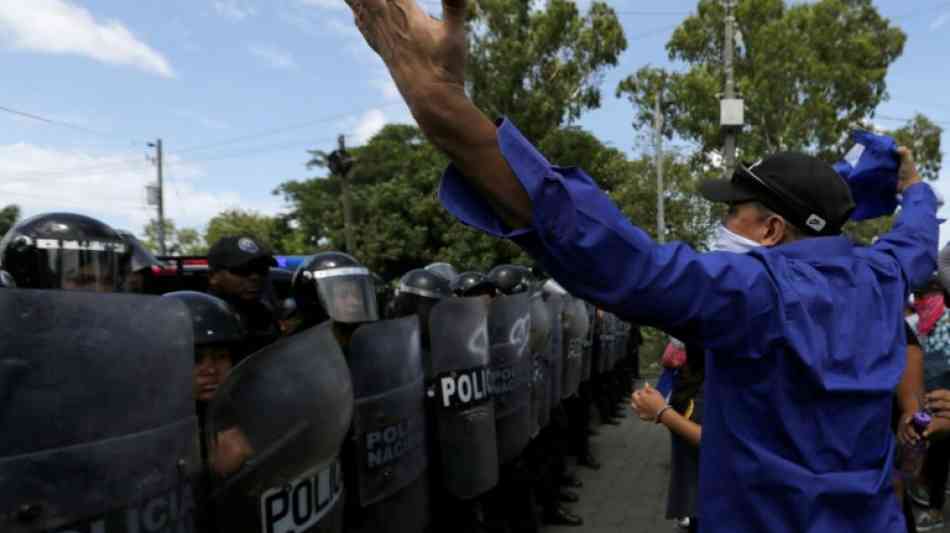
(937, 355)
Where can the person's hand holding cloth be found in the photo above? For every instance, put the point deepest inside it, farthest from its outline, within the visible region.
(877, 170)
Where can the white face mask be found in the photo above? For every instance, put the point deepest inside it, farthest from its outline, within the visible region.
(727, 241)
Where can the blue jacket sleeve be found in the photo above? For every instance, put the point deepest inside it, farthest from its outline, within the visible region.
(586, 244)
(912, 242)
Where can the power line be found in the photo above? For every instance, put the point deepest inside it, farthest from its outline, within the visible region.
(908, 119)
(283, 129)
(54, 122)
(300, 145)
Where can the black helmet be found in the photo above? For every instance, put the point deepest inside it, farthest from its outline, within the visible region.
(335, 285)
(445, 270)
(6, 280)
(425, 283)
(511, 279)
(473, 284)
(213, 320)
(140, 258)
(418, 292)
(65, 251)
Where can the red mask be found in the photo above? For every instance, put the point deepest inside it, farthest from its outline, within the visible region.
(929, 308)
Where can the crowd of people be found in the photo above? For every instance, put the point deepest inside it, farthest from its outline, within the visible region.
(464, 393)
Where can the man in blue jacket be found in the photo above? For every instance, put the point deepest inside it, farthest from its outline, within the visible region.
(804, 333)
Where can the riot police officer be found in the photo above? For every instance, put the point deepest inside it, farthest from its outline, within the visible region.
(556, 437)
(385, 458)
(65, 251)
(217, 334)
(511, 505)
(98, 413)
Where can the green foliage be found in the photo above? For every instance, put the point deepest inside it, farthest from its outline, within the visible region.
(9, 216)
(399, 222)
(183, 241)
(923, 137)
(540, 67)
(275, 232)
(809, 72)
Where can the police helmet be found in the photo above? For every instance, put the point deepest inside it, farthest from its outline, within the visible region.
(445, 270)
(473, 284)
(335, 285)
(65, 251)
(213, 320)
(511, 279)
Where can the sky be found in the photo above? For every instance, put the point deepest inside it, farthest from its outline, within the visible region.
(238, 90)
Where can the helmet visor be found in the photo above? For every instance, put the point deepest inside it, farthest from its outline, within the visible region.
(348, 294)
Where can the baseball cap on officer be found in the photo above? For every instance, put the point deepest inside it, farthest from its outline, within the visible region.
(804, 190)
(239, 252)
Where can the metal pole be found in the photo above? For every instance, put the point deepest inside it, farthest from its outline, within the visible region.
(347, 203)
(729, 141)
(660, 191)
(161, 199)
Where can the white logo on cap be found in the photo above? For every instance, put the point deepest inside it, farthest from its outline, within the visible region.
(816, 223)
(247, 245)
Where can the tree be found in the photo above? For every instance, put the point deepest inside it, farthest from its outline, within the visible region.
(9, 216)
(540, 66)
(184, 241)
(276, 232)
(808, 72)
(399, 223)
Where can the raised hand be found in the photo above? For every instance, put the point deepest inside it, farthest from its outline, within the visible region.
(418, 49)
(907, 173)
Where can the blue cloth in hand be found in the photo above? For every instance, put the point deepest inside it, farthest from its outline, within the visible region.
(870, 168)
(666, 383)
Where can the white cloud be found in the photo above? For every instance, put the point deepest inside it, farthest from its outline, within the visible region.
(369, 124)
(58, 27)
(110, 187)
(273, 56)
(233, 9)
(939, 22)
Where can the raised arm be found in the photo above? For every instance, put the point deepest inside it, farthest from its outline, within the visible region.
(499, 183)
(912, 242)
(426, 58)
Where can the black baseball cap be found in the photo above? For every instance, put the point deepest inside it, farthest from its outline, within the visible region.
(239, 251)
(803, 189)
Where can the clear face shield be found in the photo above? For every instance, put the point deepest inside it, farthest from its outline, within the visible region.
(348, 294)
(82, 266)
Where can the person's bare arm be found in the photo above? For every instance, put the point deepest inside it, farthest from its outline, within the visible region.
(650, 405)
(909, 392)
(682, 426)
(426, 58)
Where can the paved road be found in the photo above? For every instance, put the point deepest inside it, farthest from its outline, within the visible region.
(628, 494)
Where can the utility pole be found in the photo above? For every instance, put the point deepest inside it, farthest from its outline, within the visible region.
(160, 196)
(660, 190)
(341, 164)
(731, 107)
